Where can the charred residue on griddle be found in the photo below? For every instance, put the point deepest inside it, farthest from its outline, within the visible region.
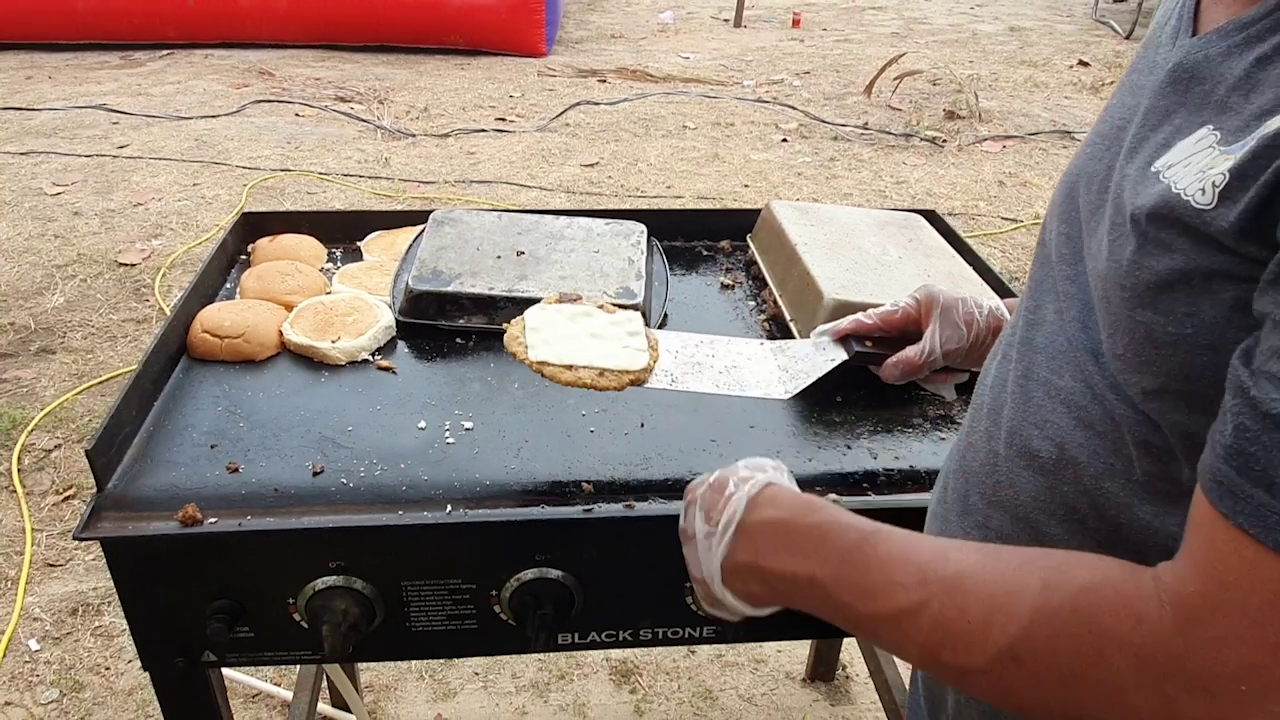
(520, 253)
(385, 365)
(567, 297)
(213, 446)
(316, 468)
(189, 516)
(233, 467)
(629, 505)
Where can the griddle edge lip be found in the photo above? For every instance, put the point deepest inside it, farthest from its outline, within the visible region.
(115, 438)
(612, 511)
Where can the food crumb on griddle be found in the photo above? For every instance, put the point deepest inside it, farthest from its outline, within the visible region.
(725, 245)
(588, 488)
(316, 469)
(629, 505)
(189, 516)
(730, 280)
(468, 425)
(385, 365)
(233, 467)
(566, 297)
(422, 424)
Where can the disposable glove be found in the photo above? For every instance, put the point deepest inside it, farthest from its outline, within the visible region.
(713, 505)
(955, 331)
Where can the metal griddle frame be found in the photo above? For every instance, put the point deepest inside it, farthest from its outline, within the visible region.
(118, 432)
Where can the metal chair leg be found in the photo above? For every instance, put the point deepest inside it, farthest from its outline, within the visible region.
(1126, 34)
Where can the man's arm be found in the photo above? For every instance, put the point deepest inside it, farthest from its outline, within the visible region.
(1011, 304)
(1040, 633)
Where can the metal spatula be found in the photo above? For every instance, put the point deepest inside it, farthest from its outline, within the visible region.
(747, 367)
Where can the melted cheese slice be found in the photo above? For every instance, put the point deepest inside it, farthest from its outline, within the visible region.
(586, 336)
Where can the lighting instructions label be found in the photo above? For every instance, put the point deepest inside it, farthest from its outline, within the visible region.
(432, 605)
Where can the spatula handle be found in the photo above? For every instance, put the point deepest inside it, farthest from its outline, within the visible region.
(874, 351)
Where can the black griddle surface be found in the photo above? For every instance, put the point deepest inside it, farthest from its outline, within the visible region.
(533, 443)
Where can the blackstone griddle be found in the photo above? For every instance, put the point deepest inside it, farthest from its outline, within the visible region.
(547, 524)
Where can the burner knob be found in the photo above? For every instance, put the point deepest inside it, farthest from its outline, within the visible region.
(342, 609)
(539, 601)
(220, 620)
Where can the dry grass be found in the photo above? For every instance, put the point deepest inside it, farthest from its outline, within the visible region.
(70, 312)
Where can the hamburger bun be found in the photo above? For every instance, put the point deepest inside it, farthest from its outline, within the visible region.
(372, 277)
(388, 245)
(236, 331)
(283, 282)
(289, 246)
(338, 329)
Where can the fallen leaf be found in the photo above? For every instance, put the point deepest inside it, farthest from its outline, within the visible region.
(52, 190)
(589, 162)
(62, 497)
(1081, 62)
(20, 375)
(122, 144)
(47, 443)
(688, 56)
(995, 145)
(143, 198)
(133, 255)
(60, 562)
(65, 180)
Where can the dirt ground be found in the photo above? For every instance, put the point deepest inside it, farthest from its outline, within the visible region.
(69, 311)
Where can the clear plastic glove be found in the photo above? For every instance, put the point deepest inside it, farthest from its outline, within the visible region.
(956, 331)
(713, 505)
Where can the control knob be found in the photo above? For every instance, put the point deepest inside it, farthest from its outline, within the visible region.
(342, 609)
(539, 601)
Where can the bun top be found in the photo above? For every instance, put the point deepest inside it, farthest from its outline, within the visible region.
(289, 246)
(283, 282)
(388, 245)
(374, 277)
(236, 331)
(336, 318)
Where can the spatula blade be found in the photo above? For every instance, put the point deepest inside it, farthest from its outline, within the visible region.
(741, 367)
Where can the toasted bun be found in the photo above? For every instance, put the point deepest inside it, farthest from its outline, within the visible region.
(236, 331)
(283, 282)
(289, 246)
(372, 277)
(338, 329)
(388, 245)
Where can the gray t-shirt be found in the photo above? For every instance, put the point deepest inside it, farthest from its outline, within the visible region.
(1144, 357)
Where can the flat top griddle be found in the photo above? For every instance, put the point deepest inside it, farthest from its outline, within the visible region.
(520, 443)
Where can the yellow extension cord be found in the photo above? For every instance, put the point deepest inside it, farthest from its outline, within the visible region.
(27, 527)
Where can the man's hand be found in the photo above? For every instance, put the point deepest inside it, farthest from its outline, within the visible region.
(713, 506)
(956, 331)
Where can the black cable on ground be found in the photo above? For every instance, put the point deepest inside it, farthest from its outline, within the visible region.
(394, 178)
(479, 129)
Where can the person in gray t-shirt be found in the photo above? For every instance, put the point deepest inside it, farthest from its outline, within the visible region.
(1104, 538)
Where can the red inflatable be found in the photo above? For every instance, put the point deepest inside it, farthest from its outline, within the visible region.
(509, 27)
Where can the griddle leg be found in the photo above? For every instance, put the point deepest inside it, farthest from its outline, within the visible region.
(188, 691)
(336, 700)
(888, 682)
(824, 660)
(306, 693)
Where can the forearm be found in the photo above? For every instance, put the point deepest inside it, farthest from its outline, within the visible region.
(1011, 304)
(1041, 633)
